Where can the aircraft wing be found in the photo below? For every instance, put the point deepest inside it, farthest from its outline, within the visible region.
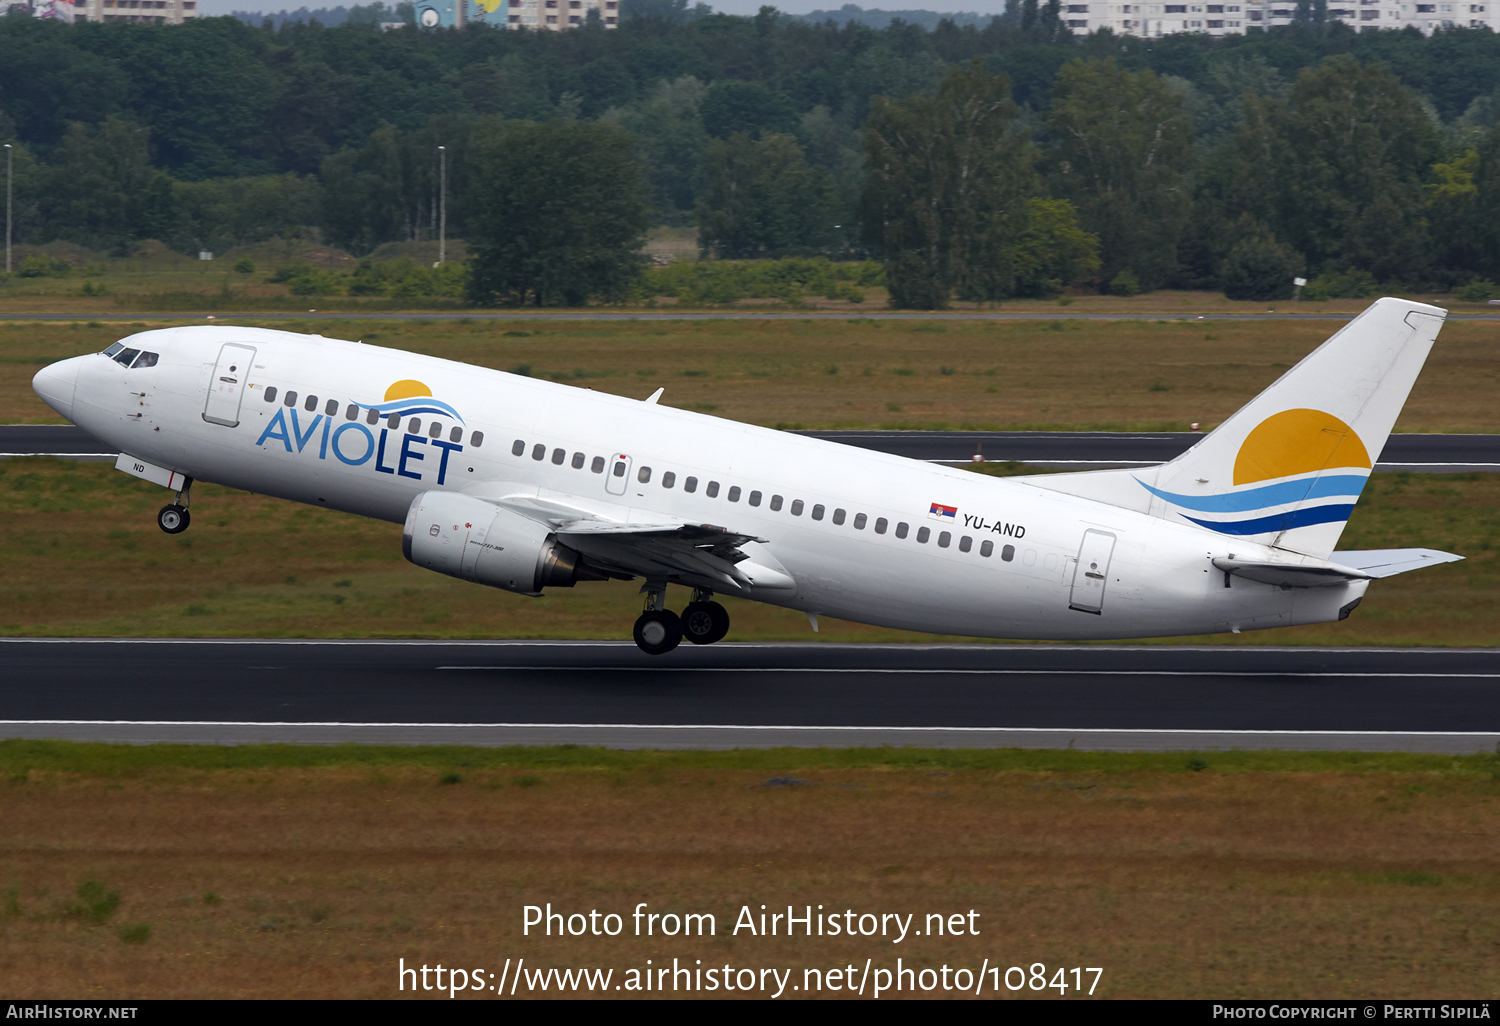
(699, 555)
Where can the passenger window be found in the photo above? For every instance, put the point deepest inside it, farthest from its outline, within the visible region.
(817, 513)
(393, 421)
(643, 475)
(147, 360)
(838, 517)
(712, 491)
(796, 509)
(775, 504)
(291, 399)
(311, 404)
(415, 426)
(923, 534)
(668, 479)
(578, 460)
(476, 439)
(517, 448)
(456, 435)
(436, 431)
(373, 417)
(755, 498)
(880, 525)
(597, 467)
(539, 452)
(127, 355)
(965, 543)
(1008, 553)
(986, 548)
(619, 470)
(330, 408)
(734, 493)
(901, 529)
(859, 521)
(690, 485)
(271, 394)
(558, 456)
(352, 413)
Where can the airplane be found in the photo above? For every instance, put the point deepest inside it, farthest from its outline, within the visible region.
(525, 485)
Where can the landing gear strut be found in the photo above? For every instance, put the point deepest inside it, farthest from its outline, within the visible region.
(658, 630)
(704, 621)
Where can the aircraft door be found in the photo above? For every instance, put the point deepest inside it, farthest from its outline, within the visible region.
(227, 386)
(1091, 572)
(617, 479)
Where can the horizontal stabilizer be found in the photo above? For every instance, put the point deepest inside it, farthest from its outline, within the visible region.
(1389, 562)
(1291, 575)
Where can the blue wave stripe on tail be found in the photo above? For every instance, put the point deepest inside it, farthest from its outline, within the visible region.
(1281, 494)
(1279, 521)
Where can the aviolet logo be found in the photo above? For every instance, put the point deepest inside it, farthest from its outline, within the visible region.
(1295, 449)
(355, 444)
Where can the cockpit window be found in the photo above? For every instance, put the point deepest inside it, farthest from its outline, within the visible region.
(124, 356)
(112, 350)
(144, 360)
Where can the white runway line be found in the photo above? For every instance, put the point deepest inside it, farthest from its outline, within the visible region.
(968, 672)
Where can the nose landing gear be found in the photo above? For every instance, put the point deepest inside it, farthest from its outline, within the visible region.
(174, 517)
(659, 630)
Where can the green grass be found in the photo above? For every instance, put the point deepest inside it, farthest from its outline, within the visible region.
(19, 760)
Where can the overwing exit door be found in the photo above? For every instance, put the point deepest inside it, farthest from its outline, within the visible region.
(618, 477)
(227, 386)
(1091, 573)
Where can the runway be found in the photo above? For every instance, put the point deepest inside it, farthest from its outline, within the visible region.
(719, 315)
(1061, 450)
(751, 695)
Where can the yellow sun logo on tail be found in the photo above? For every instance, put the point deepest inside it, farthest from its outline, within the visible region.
(1298, 442)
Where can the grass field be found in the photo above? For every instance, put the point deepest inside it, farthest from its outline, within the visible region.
(307, 872)
(84, 558)
(865, 373)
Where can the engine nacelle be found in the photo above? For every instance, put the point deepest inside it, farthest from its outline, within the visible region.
(478, 541)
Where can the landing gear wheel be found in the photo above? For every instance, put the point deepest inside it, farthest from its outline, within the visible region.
(658, 631)
(173, 519)
(704, 623)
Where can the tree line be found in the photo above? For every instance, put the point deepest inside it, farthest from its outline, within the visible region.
(977, 163)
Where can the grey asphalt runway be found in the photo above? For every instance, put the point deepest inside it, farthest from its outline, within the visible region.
(751, 695)
(1063, 450)
(723, 315)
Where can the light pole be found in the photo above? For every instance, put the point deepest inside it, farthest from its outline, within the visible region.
(443, 204)
(8, 152)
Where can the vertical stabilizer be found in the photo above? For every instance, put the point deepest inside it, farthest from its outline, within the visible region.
(1287, 469)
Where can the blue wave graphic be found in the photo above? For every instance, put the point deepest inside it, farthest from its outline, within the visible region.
(1280, 521)
(1281, 494)
(416, 405)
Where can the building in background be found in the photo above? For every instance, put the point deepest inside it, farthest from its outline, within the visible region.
(55, 10)
(148, 12)
(1161, 19)
(557, 15)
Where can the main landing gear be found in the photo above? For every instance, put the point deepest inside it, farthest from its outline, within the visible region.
(659, 630)
(174, 517)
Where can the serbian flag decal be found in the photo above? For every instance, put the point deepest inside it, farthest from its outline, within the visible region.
(941, 512)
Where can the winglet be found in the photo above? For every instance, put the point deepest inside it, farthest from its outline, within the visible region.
(651, 399)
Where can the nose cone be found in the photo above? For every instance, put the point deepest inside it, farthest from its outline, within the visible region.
(55, 384)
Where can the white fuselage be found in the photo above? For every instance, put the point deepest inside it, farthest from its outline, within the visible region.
(1156, 578)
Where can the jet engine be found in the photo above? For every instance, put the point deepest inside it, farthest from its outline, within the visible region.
(469, 538)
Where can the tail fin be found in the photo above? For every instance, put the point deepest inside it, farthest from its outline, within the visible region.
(1287, 469)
